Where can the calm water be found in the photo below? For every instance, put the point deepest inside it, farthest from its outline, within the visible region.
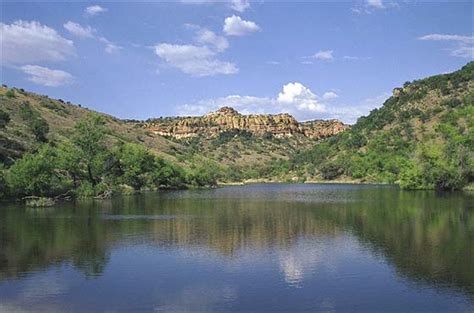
(328, 248)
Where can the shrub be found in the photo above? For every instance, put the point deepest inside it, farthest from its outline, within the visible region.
(331, 171)
(4, 119)
(452, 102)
(35, 174)
(40, 129)
(10, 93)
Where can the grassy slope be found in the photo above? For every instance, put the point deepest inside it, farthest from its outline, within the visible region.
(429, 120)
(61, 117)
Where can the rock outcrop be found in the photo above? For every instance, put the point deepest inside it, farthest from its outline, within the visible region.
(226, 118)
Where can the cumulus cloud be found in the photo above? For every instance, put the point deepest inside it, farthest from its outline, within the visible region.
(25, 42)
(330, 95)
(47, 77)
(240, 5)
(235, 26)
(462, 46)
(194, 60)
(78, 30)
(325, 55)
(94, 10)
(205, 36)
(294, 98)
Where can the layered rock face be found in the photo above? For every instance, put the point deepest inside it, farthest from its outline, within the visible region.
(226, 118)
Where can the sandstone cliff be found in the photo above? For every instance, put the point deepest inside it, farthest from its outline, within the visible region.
(226, 118)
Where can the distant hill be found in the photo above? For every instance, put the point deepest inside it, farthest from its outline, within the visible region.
(422, 137)
(228, 119)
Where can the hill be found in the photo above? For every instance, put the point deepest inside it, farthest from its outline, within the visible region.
(422, 138)
(35, 119)
(49, 146)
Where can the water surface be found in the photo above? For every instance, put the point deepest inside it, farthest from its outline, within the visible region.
(273, 247)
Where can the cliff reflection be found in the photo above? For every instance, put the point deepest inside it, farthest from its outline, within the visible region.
(427, 237)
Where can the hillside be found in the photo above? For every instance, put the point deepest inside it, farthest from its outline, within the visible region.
(30, 114)
(422, 137)
(245, 145)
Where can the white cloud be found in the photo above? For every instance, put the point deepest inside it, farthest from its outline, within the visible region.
(301, 97)
(235, 26)
(463, 45)
(240, 5)
(378, 4)
(88, 32)
(294, 98)
(194, 60)
(330, 95)
(94, 10)
(237, 5)
(110, 47)
(445, 37)
(78, 30)
(25, 42)
(47, 77)
(355, 58)
(323, 55)
(463, 52)
(205, 36)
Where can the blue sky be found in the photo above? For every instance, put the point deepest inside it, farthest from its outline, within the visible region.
(312, 59)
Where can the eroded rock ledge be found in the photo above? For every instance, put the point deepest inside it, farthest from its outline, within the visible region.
(226, 118)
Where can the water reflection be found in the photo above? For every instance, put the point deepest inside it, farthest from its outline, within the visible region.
(313, 235)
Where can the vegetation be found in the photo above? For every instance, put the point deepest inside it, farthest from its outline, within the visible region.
(421, 138)
(417, 143)
(86, 167)
(4, 119)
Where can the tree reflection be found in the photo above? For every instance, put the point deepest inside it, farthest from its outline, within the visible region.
(426, 236)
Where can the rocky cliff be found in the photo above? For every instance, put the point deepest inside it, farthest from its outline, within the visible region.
(226, 118)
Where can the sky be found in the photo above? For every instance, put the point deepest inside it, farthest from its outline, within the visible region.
(312, 59)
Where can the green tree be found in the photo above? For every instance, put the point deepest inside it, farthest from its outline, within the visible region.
(168, 175)
(36, 174)
(89, 138)
(203, 173)
(136, 164)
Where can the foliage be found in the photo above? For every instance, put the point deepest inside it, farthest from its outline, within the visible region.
(10, 93)
(89, 139)
(4, 119)
(203, 173)
(35, 174)
(390, 146)
(40, 129)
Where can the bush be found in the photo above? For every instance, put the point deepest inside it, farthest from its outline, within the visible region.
(4, 119)
(40, 129)
(203, 173)
(10, 93)
(36, 175)
(331, 171)
(452, 102)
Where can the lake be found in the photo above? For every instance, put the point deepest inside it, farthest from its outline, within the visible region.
(263, 247)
